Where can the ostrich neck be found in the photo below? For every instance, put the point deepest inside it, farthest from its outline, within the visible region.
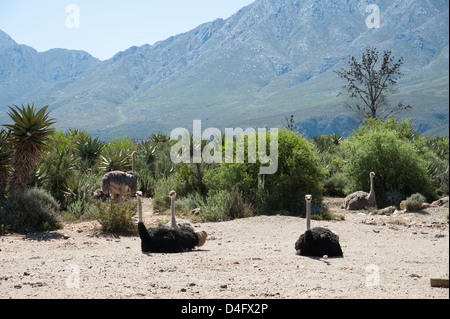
(133, 169)
(371, 197)
(140, 210)
(372, 192)
(172, 208)
(308, 215)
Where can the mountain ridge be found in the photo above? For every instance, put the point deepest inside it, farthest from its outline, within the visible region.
(271, 59)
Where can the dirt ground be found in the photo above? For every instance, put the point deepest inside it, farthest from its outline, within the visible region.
(384, 257)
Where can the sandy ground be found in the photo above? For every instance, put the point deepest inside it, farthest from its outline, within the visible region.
(384, 257)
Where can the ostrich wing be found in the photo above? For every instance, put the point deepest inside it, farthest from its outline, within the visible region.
(356, 200)
(166, 240)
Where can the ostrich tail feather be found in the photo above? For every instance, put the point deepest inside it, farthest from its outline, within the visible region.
(105, 185)
(202, 236)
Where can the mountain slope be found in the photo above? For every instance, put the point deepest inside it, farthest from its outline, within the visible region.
(271, 59)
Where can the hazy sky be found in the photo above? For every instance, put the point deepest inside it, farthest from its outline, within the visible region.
(105, 27)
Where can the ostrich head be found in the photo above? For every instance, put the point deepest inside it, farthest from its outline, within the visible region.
(172, 194)
(308, 199)
(139, 194)
(372, 174)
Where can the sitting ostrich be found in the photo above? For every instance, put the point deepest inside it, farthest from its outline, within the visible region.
(319, 241)
(120, 183)
(177, 223)
(360, 199)
(165, 239)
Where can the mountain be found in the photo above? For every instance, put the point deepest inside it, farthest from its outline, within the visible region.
(271, 59)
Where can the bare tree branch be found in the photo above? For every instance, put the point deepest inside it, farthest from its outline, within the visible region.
(371, 85)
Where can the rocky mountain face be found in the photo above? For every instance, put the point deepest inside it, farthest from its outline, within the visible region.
(271, 59)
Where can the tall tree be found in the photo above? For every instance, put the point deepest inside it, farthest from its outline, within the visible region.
(370, 82)
(30, 130)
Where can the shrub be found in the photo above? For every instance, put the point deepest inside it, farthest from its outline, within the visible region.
(414, 202)
(395, 161)
(298, 173)
(116, 218)
(161, 199)
(223, 205)
(213, 207)
(55, 168)
(237, 206)
(185, 204)
(335, 185)
(30, 210)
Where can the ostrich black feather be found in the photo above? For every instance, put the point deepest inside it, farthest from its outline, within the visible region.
(318, 242)
(164, 239)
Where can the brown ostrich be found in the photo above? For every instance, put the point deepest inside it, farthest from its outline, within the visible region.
(119, 183)
(360, 200)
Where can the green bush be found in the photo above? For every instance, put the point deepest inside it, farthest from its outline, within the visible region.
(161, 199)
(184, 205)
(237, 206)
(116, 218)
(414, 202)
(213, 208)
(298, 173)
(335, 185)
(30, 210)
(396, 162)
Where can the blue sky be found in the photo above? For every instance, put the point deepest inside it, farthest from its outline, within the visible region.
(106, 27)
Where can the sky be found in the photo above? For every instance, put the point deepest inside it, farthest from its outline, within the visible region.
(105, 27)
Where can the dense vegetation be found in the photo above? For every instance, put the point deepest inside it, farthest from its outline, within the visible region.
(54, 174)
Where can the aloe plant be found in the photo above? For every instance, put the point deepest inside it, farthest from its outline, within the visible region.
(89, 149)
(115, 161)
(30, 130)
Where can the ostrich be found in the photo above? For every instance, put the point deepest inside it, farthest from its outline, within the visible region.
(319, 241)
(165, 239)
(360, 199)
(120, 183)
(174, 223)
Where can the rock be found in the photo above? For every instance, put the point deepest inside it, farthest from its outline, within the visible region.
(387, 211)
(441, 202)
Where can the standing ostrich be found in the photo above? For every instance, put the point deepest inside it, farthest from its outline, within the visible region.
(165, 239)
(360, 200)
(120, 183)
(319, 241)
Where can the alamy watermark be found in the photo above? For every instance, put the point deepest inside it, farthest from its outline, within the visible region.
(373, 19)
(73, 19)
(212, 151)
(373, 276)
(73, 279)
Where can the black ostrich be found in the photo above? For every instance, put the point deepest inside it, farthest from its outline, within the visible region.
(166, 239)
(319, 241)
